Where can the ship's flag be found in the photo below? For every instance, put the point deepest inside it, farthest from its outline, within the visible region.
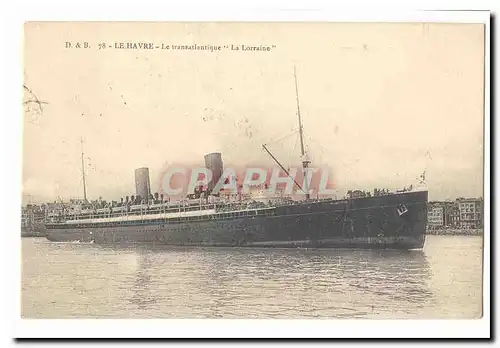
(422, 177)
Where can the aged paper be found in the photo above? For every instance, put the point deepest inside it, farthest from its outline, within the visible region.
(351, 158)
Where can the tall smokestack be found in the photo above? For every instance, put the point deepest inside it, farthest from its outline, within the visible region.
(213, 162)
(142, 184)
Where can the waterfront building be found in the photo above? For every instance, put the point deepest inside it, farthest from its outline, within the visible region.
(471, 212)
(451, 215)
(435, 215)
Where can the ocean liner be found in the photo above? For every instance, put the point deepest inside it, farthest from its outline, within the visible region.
(380, 220)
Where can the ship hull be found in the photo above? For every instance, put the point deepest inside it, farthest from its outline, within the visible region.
(37, 229)
(392, 221)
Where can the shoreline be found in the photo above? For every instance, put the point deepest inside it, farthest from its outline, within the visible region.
(440, 232)
(32, 235)
(455, 232)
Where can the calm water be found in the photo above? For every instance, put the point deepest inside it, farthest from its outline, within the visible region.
(64, 280)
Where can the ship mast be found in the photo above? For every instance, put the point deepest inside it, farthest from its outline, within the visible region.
(83, 175)
(305, 162)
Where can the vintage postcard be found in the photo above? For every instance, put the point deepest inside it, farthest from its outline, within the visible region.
(292, 170)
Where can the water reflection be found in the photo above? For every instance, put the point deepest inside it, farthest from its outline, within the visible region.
(139, 278)
(62, 280)
(142, 296)
(219, 282)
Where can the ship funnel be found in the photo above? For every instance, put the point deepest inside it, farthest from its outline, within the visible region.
(213, 162)
(142, 184)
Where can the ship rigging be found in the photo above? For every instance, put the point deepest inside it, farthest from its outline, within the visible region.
(83, 174)
(305, 161)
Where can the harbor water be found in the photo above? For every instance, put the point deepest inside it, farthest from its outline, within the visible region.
(70, 280)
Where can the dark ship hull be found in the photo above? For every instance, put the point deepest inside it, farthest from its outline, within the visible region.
(36, 229)
(388, 221)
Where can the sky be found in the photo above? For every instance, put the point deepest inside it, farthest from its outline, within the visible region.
(380, 103)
